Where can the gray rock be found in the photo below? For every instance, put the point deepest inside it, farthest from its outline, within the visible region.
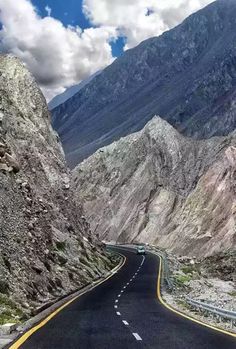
(28, 260)
(159, 187)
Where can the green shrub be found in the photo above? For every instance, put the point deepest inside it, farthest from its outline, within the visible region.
(10, 312)
(182, 279)
(61, 245)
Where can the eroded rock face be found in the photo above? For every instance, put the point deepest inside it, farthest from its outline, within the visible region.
(159, 187)
(46, 250)
(187, 76)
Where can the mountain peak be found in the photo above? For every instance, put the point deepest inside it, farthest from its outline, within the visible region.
(187, 76)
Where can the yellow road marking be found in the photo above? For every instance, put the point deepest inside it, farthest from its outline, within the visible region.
(29, 333)
(182, 314)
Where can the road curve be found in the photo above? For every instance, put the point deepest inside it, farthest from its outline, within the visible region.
(124, 312)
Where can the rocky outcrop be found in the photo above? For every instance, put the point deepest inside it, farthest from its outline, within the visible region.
(187, 76)
(159, 187)
(46, 250)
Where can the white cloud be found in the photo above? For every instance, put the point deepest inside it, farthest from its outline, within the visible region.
(58, 56)
(48, 10)
(131, 19)
(62, 56)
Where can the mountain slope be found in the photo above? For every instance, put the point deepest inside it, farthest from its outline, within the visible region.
(69, 92)
(45, 247)
(159, 187)
(187, 76)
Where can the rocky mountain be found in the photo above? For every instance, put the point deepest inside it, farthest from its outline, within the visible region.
(160, 187)
(70, 92)
(46, 250)
(187, 76)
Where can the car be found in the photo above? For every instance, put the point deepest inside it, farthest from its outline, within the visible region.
(141, 250)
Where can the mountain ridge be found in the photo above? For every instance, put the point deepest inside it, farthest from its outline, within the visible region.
(184, 76)
(159, 187)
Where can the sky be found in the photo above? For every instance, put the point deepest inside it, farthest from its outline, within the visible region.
(64, 41)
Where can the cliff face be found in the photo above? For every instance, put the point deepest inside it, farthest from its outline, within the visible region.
(159, 187)
(187, 76)
(45, 247)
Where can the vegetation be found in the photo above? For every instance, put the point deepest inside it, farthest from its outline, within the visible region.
(182, 279)
(9, 312)
(61, 245)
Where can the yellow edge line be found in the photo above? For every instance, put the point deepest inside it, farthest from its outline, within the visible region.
(29, 333)
(182, 314)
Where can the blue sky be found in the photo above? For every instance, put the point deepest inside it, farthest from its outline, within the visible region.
(69, 12)
(59, 56)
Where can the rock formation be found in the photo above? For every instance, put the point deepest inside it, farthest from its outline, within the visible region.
(46, 250)
(159, 187)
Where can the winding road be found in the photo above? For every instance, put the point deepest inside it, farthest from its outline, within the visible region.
(124, 312)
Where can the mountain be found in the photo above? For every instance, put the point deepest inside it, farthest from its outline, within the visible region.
(159, 187)
(70, 92)
(187, 76)
(46, 250)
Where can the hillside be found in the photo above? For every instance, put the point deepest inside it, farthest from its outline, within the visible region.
(159, 187)
(46, 248)
(187, 76)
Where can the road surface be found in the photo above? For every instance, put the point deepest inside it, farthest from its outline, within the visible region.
(124, 312)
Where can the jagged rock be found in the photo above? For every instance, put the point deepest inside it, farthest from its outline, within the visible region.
(12, 162)
(5, 168)
(159, 187)
(2, 149)
(29, 228)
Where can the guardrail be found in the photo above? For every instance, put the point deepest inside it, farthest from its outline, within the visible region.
(165, 269)
(219, 312)
(214, 311)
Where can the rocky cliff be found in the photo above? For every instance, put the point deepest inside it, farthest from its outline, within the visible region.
(159, 187)
(187, 76)
(46, 250)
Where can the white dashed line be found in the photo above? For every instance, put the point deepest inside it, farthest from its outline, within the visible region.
(137, 336)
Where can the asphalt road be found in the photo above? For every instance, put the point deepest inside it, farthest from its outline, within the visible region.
(124, 312)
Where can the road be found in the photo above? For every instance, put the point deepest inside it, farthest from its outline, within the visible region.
(124, 312)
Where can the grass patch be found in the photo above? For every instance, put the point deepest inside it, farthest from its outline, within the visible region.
(9, 312)
(183, 279)
(61, 245)
(188, 269)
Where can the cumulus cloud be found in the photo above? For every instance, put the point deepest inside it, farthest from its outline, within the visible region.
(61, 56)
(58, 56)
(140, 19)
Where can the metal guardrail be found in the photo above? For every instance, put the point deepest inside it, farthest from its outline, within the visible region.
(219, 312)
(215, 311)
(165, 269)
(226, 314)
